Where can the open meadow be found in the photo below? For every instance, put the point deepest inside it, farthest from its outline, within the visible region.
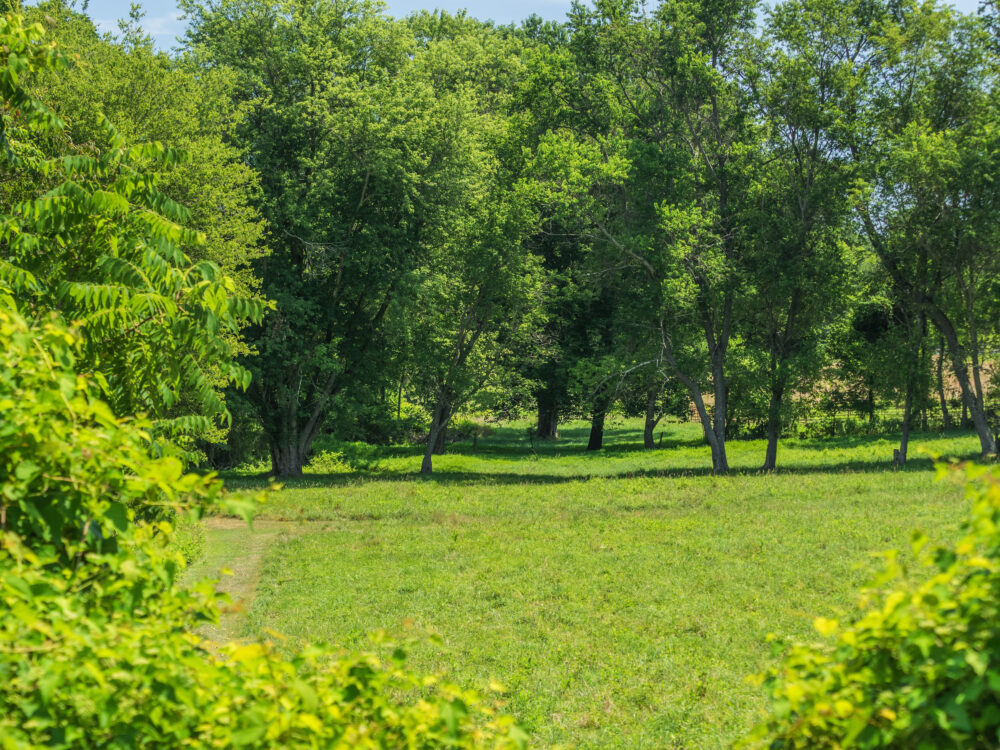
(621, 597)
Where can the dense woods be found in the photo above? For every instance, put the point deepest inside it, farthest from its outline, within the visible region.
(759, 212)
(313, 223)
(760, 217)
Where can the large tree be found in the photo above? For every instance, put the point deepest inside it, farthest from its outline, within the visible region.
(796, 266)
(925, 139)
(356, 154)
(667, 135)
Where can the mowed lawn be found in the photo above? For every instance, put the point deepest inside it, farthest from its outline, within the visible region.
(621, 597)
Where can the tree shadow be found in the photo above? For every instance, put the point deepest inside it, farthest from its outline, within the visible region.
(444, 476)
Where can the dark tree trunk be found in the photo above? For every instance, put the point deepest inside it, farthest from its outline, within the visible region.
(899, 457)
(442, 433)
(284, 440)
(651, 419)
(871, 406)
(548, 420)
(286, 459)
(596, 441)
(773, 426)
(399, 400)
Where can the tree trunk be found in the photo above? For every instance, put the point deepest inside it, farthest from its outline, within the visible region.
(945, 415)
(442, 433)
(871, 406)
(899, 457)
(548, 420)
(651, 419)
(286, 459)
(720, 463)
(715, 433)
(427, 465)
(596, 441)
(438, 423)
(976, 409)
(773, 426)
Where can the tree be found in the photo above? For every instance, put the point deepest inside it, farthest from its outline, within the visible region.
(671, 172)
(355, 156)
(478, 293)
(924, 139)
(796, 268)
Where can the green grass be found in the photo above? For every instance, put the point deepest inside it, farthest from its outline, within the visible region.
(622, 597)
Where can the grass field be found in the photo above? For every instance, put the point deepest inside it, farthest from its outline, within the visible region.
(622, 597)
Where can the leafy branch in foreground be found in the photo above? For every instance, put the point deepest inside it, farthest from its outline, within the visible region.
(103, 247)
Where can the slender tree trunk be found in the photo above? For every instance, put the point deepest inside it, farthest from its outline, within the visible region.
(427, 465)
(976, 409)
(945, 415)
(871, 405)
(720, 463)
(438, 423)
(716, 438)
(773, 426)
(904, 442)
(651, 418)
(596, 441)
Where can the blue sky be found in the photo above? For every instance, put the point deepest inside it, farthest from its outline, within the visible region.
(164, 24)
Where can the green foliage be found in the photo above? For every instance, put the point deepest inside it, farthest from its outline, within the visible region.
(97, 642)
(103, 246)
(24, 51)
(917, 665)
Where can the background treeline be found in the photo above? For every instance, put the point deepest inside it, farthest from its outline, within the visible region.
(750, 214)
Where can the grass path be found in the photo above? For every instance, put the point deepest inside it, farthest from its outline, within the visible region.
(231, 544)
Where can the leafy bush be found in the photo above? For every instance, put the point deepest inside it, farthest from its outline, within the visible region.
(376, 423)
(345, 458)
(97, 643)
(918, 666)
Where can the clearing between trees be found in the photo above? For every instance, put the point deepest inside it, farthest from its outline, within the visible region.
(621, 597)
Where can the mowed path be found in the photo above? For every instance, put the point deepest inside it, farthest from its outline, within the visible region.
(234, 546)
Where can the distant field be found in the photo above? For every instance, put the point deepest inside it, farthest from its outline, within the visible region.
(622, 597)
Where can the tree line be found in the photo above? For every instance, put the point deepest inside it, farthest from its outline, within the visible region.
(707, 204)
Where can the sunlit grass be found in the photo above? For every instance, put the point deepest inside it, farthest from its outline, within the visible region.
(621, 596)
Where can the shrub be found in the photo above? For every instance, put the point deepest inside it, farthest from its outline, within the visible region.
(918, 666)
(97, 638)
